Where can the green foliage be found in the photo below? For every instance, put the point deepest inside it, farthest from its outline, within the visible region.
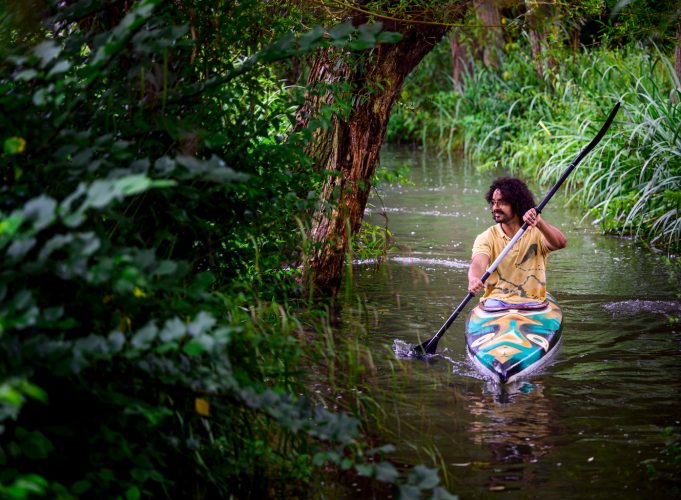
(415, 114)
(511, 118)
(148, 237)
(372, 242)
(641, 20)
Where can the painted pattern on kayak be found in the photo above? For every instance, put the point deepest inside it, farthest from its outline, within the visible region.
(506, 344)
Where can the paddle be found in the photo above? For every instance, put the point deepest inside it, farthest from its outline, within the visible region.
(430, 346)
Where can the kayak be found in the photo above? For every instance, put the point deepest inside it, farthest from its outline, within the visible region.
(507, 343)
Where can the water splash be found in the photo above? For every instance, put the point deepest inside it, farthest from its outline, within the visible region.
(456, 264)
(405, 350)
(407, 211)
(636, 306)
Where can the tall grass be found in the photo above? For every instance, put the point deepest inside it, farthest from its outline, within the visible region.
(631, 183)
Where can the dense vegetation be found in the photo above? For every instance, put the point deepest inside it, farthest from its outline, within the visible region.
(155, 335)
(536, 124)
(151, 327)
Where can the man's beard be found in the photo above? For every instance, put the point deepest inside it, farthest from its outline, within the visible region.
(504, 218)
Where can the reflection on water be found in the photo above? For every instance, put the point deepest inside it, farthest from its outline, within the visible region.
(595, 413)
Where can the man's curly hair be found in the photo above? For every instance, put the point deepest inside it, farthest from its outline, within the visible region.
(514, 192)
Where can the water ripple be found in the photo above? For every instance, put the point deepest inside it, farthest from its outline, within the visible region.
(633, 307)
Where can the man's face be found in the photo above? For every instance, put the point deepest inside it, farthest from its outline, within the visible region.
(501, 209)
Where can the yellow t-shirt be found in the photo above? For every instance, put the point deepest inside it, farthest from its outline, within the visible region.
(521, 275)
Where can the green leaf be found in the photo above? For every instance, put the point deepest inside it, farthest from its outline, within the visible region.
(81, 487)
(35, 446)
(199, 345)
(14, 145)
(10, 395)
(166, 267)
(40, 97)
(386, 448)
(279, 48)
(423, 478)
(46, 52)
(366, 470)
(92, 345)
(386, 472)
(60, 67)
(33, 391)
(443, 494)
(361, 44)
(173, 329)
(408, 492)
(341, 32)
(116, 342)
(145, 336)
(134, 184)
(310, 39)
(9, 227)
(42, 210)
(370, 30)
(203, 322)
(133, 493)
(26, 75)
(30, 483)
(389, 37)
(19, 248)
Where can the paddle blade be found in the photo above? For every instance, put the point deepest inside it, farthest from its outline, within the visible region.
(428, 347)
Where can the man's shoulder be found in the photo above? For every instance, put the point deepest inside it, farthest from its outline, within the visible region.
(491, 232)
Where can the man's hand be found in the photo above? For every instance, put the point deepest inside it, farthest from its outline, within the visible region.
(554, 239)
(532, 218)
(475, 285)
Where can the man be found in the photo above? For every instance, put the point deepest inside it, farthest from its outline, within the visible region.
(520, 279)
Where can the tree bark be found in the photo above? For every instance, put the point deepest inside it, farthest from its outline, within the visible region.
(538, 15)
(677, 52)
(347, 149)
(536, 37)
(459, 60)
(492, 35)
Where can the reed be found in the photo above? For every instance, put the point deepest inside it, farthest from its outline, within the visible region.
(631, 183)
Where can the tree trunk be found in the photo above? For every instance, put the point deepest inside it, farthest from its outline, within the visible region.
(459, 60)
(347, 149)
(677, 53)
(535, 38)
(536, 18)
(492, 35)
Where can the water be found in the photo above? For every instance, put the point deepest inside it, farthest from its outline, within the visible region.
(591, 423)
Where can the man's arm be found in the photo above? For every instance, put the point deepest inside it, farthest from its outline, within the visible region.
(554, 239)
(475, 271)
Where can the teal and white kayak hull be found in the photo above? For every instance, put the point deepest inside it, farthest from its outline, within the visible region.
(510, 343)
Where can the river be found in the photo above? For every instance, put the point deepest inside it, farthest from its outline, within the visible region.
(594, 423)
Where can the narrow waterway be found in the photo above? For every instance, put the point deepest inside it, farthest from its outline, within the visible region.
(593, 423)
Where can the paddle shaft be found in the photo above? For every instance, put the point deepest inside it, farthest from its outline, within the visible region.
(430, 345)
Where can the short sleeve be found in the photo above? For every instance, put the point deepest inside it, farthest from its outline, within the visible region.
(482, 245)
(543, 248)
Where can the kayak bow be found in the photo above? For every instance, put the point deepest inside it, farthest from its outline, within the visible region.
(505, 344)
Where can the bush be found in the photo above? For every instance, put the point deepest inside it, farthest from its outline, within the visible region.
(148, 233)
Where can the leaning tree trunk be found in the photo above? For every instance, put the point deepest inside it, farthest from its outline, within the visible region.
(347, 150)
